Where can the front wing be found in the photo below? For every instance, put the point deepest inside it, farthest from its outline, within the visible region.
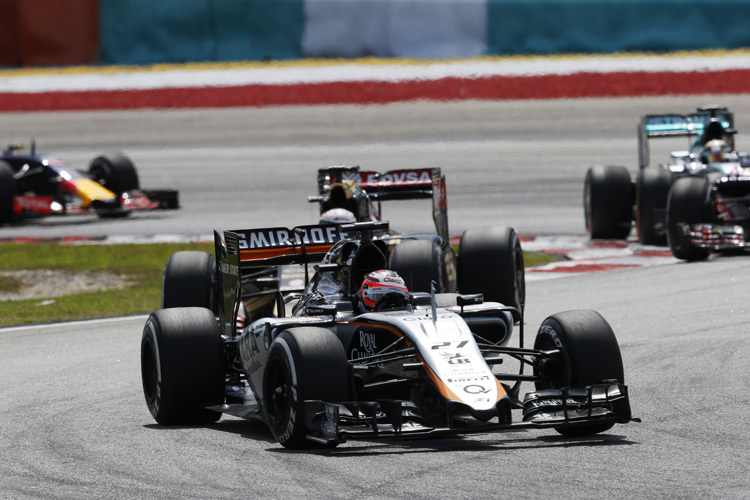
(332, 423)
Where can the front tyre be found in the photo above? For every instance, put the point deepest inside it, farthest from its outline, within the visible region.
(115, 172)
(182, 367)
(686, 205)
(305, 363)
(589, 354)
(490, 262)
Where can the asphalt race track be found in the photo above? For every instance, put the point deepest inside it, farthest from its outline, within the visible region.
(518, 163)
(74, 423)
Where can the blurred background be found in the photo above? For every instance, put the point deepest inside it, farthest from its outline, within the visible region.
(139, 32)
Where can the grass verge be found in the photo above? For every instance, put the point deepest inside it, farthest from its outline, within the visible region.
(142, 263)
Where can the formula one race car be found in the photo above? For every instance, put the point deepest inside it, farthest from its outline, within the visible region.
(39, 185)
(612, 201)
(347, 194)
(381, 362)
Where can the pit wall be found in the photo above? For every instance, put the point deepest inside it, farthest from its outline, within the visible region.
(67, 32)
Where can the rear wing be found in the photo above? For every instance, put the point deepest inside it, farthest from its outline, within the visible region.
(253, 257)
(401, 184)
(677, 125)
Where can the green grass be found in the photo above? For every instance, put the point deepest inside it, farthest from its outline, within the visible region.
(143, 263)
(9, 284)
(533, 259)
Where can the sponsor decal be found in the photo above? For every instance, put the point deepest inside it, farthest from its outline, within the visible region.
(282, 237)
(36, 204)
(444, 345)
(230, 269)
(396, 177)
(456, 358)
(468, 379)
(392, 279)
(552, 333)
(553, 402)
(292, 417)
(367, 345)
(476, 389)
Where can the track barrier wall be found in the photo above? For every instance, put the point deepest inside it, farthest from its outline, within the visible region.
(49, 32)
(177, 31)
(606, 26)
(140, 32)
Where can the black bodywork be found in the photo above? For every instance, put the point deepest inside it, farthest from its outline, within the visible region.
(34, 185)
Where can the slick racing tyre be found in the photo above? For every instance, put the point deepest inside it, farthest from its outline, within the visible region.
(590, 354)
(686, 204)
(490, 262)
(419, 263)
(115, 172)
(189, 280)
(608, 197)
(7, 192)
(305, 363)
(652, 191)
(182, 366)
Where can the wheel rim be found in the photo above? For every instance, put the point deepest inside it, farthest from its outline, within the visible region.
(278, 390)
(149, 371)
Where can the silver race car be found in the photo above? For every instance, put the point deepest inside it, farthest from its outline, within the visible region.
(353, 354)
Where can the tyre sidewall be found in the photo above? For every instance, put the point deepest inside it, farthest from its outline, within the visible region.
(189, 280)
(608, 198)
(182, 368)
(652, 192)
(490, 261)
(7, 192)
(686, 204)
(419, 262)
(116, 171)
(590, 353)
(314, 366)
(288, 428)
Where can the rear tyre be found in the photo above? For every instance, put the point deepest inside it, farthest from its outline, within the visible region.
(490, 262)
(182, 367)
(590, 354)
(115, 172)
(306, 363)
(189, 280)
(686, 204)
(7, 192)
(608, 197)
(419, 263)
(653, 189)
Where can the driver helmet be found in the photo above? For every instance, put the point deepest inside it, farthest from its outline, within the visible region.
(337, 216)
(383, 288)
(715, 151)
(713, 130)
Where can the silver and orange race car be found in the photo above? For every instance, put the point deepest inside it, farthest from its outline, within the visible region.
(33, 185)
(326, 364)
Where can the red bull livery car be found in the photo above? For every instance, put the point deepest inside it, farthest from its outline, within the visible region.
(34, 185)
